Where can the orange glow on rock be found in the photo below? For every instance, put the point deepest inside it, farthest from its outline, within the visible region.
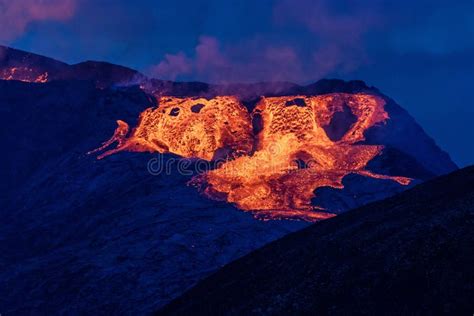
(23, 74)
(295, 145)
(191, 127)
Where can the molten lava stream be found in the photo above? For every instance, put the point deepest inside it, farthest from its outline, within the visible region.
(189, 127)
(303, 143)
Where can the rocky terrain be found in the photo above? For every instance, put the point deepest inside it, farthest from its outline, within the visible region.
(407, 255)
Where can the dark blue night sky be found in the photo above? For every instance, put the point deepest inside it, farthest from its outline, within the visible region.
(418, 52)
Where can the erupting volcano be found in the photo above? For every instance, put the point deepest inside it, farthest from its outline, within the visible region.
(278, 150)
(168, 141)
(141, 237)
(275, 157)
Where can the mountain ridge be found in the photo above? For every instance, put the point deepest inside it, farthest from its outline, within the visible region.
(106, 74)
(10, 57)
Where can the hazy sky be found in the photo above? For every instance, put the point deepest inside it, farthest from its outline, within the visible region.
(418, 52)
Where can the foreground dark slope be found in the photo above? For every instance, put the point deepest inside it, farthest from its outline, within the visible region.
(412, 253)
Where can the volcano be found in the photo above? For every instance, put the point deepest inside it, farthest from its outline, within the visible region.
(86, 222)
(272, 159)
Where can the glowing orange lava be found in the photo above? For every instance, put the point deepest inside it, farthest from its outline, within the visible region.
(191, 127)
(295, 145)
(23, 74)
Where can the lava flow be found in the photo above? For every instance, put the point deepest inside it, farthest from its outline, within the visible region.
(191, 127)
(23, 74)
(276, 157)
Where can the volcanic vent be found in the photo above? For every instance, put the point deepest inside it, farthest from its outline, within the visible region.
(275, 157)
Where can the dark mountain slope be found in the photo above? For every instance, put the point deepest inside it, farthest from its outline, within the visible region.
(41, 122)
(409, 254)
(81, 235)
